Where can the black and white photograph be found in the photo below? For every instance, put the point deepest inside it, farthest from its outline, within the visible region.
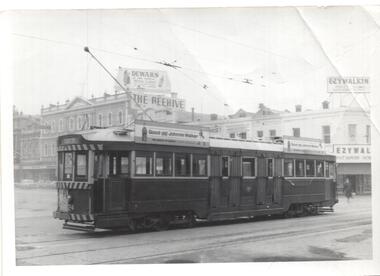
(191, 138)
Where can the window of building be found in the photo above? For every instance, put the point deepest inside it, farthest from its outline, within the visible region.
(52, 127)
(288, 167)
(60, 125)
(80, 165)
(300, 168)
(225, 166)
(320, 168)
(46, 150)
(182, 164)
(310, 168)
(326, 136)
(232, 135)
(260, 133)
(71, 124)
(68, 166)
(144, 163)
(199, 165)
(249, 166)
(79, 123)
(272, 133)
(100, 120)
(164, 163)
(368, 134)
(296, 132)
(352, 131)
(243, 135)
(270, 167)
(120, 117)
(110, 119)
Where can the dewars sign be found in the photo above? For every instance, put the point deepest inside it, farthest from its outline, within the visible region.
(352, 153)
(161, 133)
(144, 79)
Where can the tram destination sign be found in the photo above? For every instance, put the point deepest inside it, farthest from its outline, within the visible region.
(170, 134)
(303, 145)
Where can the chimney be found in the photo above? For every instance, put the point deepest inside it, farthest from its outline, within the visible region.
(213, 117)
(298, 108)
(325, 105)
(192, 114)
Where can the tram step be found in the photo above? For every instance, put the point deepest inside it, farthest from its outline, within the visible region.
(326, 209)
(86, 228)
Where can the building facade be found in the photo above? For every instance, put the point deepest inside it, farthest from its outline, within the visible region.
(346, 132)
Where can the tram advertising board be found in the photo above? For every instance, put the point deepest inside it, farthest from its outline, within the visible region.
(303, 145)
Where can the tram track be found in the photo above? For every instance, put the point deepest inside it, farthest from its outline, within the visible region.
(213, 241)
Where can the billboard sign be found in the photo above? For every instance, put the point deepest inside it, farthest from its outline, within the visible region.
(346, 153)
(170, 134)
(303, 145)
(143, 79)
(348, 85)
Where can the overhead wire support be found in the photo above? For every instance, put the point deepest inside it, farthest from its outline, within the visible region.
(86, 49)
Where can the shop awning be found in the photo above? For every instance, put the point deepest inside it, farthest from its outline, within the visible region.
(354, 168)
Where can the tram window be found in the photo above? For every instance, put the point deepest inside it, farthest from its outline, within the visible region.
(270, 167)
(124, 165)
(331, 169)
(225, 166)
(320, 168)
(327, 174)
(182, 164)
(144, 163)
(310, 169)
(81, 166)
(288, 167)
(164, 164)
(68, 167)
(199, 165)
(98, 164)
(113, 165)
(300, 168)
(248, 166)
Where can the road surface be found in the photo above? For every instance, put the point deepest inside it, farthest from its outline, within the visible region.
(345, 234)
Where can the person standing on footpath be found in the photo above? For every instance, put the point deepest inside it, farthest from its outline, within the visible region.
(347, 189)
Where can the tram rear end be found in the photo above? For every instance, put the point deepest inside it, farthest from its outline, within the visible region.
(75, 183)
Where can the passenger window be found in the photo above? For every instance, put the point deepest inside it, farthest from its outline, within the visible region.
(182, 164)
(144, 163)
(119, 164)
(199, 165)
(225, 166)
(113, 165)
(124, 165)
(331, 170)
(300, 168)
(288, 167)
(327, 173)
(270, 167)
(81, 166)
(310, 168)
(98, 164)
(248, 166)
(68, 167)
(320, 168)
(164, 163)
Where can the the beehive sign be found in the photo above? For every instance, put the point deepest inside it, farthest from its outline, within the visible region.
(143, 79)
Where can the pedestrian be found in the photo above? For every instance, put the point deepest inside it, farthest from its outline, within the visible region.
(347, 189)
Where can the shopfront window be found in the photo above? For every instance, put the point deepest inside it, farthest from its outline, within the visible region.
(199, 165)
(164, 163)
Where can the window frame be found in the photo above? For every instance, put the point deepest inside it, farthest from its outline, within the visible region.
(314, 168)
(267, 168)
(304, 167)
(254, 167)
(64, 178)
(194, 159)
(147, 155)
(323, 168)
(187, 166)
(76, 176)
(164, 154)
(288, 161)
(228, 166)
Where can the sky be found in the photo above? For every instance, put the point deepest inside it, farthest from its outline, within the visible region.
(287, 54)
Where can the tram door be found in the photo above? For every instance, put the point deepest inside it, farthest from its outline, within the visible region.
(117, 182)
(269, 171)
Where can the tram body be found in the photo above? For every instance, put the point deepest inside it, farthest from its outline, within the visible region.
(154, 175)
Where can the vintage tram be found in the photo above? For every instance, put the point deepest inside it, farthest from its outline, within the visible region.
(154, 174)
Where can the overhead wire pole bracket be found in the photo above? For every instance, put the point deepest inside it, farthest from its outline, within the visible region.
(86, 49)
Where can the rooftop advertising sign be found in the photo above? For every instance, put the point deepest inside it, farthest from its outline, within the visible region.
(303, 145)
(144, 79)
(174, 135)
(157, 102)
(348, 85)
